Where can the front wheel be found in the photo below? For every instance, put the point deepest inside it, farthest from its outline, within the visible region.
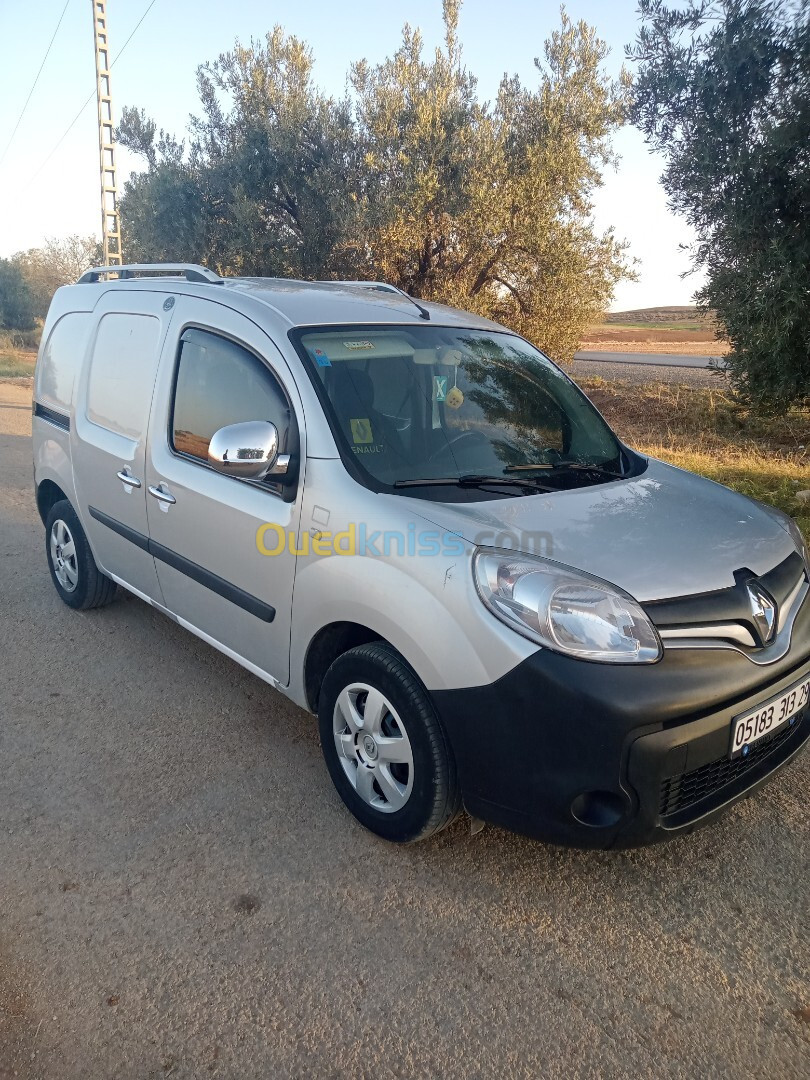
(384, 746)
(78, 580)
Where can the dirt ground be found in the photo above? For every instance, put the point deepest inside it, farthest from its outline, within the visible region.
(607, 338)
(182, 893)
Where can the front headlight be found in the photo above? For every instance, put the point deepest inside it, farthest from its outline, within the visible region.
(564, 609)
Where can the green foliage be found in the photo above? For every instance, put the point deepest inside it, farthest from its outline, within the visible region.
(268, 184)
(409, 179)
(723, 91)
(56, 263)
(487, 207)
(16, 301)
(29, 279)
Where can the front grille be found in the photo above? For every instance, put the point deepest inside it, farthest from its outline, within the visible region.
(731, 605)
(680, 792)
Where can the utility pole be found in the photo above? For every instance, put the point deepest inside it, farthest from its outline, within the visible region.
(110, 223)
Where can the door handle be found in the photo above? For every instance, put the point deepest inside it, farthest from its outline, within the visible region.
(126, 477)
(162, 496)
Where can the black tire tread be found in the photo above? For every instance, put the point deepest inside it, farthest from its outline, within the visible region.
(95, 589)
(447, 792)
(446, 809)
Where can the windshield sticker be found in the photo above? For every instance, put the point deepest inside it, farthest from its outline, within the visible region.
(321, 359)
(454, 399)
(355, 345)
(361, 432)
(439, 387)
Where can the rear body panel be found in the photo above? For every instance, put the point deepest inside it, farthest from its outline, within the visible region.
(101, 449)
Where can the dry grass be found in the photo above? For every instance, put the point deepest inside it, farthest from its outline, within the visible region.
(15, 362)
(612, 332)
(673, 324)
(707, 431)
(654, 343)
(18, 352)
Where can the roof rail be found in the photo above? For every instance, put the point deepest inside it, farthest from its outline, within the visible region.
(190, 271)
(384, 286)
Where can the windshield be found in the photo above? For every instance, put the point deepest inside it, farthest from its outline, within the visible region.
(434, 403)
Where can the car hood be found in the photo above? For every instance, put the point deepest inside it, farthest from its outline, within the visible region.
(662, 534)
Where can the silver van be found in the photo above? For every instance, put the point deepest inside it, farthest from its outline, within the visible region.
(415, 525)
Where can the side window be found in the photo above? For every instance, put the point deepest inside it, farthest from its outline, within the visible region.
(61, 359)
(122, 373)
(220, 383)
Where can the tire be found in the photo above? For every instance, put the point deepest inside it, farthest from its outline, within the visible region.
(74, 573)
(395, 769)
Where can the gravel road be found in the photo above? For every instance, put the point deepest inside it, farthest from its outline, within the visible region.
(182, 893)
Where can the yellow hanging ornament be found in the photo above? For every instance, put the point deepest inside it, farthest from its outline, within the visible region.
(454, 399)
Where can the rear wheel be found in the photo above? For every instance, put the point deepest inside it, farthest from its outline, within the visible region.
(74, 573)
(384, 746)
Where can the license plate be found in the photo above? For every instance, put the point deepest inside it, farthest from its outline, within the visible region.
(768, 718)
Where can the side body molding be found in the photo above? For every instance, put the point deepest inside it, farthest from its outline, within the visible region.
(191, 569)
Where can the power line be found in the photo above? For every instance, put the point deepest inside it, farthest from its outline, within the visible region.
(92, 95)
(34, 84)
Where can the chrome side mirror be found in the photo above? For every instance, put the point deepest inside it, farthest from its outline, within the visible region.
(248, 450)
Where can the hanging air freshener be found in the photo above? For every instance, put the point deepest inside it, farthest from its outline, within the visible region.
(455, 398)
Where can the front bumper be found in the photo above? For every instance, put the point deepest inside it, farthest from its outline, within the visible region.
(600, 755)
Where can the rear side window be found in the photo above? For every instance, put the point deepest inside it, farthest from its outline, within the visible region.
(61, 359)
(220, 383)
(122, 373)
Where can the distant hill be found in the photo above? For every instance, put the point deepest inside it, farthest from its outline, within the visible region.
(672, 329)
(685, 317)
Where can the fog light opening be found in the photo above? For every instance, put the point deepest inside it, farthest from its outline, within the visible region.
(598, 809)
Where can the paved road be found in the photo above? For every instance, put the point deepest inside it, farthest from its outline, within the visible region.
(651, 359)
(182, 894)
(645, 374)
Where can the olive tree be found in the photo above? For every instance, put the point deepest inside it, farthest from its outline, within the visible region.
(409, 178)
(57, 262)
(723, 92)
(488, 206)
(16, 301)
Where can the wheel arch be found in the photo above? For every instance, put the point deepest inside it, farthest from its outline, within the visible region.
(426, 610)
(48, 494)
(330, 642)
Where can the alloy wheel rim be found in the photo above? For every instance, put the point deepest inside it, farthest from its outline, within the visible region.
(373, 747)
(63, 556)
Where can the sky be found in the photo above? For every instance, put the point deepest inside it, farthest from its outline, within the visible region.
(48, 192)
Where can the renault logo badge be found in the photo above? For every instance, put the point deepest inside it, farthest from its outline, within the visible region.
(763, 609)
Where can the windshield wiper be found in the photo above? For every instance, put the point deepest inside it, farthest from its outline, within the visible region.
(530, 483)
(565, 466)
